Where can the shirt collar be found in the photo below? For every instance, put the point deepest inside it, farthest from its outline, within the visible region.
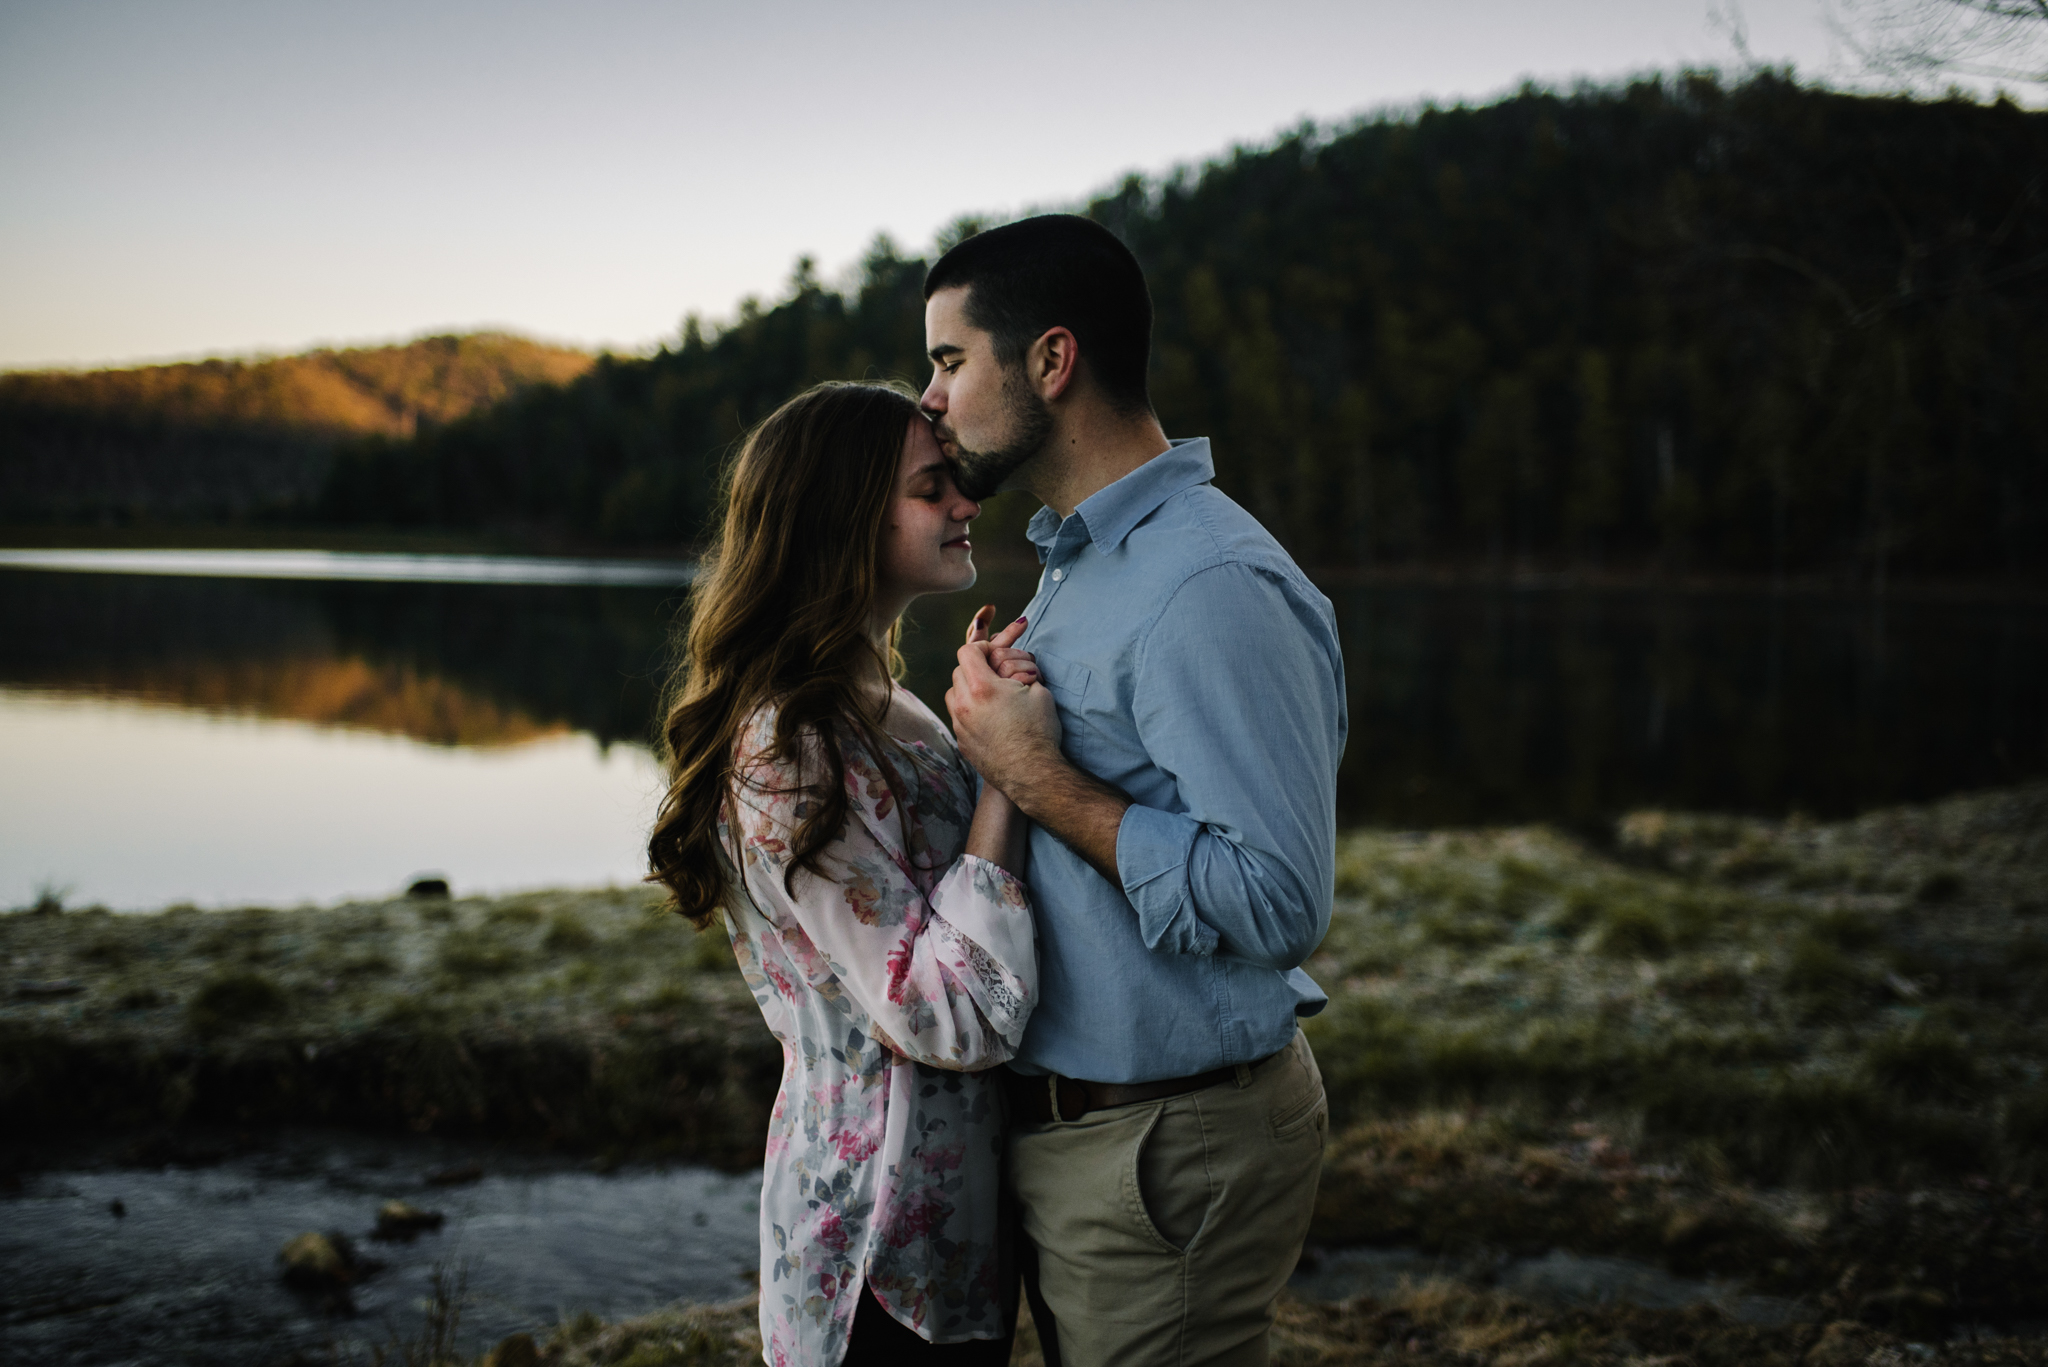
(1110, 513)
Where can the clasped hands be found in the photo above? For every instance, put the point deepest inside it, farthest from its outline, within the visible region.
(1003, 714)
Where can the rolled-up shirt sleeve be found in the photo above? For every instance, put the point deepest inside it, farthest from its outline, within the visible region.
(1239, 698)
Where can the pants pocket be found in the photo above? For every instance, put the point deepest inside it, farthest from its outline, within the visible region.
(1170, 1178)
(1298, 1098)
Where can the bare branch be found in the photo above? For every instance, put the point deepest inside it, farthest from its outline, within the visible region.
(1921, 42)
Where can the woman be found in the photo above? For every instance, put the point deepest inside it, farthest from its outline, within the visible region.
(874, 903)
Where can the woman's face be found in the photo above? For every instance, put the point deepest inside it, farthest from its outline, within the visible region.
(924, 532)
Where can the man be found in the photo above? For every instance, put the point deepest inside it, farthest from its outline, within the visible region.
(1167, 1116)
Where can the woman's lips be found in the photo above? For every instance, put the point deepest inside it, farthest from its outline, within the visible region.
(958, 543)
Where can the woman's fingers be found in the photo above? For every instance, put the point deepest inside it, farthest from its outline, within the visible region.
(977, 629)
(1012, 663)
(1009, 634)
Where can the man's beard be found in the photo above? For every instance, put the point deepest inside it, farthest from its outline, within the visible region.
(1028, 421)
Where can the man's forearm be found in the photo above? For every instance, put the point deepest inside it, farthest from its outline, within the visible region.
(1082, 810)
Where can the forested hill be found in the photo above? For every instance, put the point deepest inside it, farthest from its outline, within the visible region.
(1671, 326)
(225, 438)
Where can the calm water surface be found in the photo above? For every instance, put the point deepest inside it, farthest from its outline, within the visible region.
(286, 726)
(187, 1271)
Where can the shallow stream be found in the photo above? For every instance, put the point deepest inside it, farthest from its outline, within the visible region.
(187, 1271)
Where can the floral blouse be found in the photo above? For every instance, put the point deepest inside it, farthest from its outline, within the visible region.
(889, 984)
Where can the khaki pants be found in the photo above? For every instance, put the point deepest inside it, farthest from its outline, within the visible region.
(1166, 1229)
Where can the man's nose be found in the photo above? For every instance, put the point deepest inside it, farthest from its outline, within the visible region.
(934, 398)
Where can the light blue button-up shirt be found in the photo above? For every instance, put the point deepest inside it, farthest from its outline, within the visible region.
(1198, 670)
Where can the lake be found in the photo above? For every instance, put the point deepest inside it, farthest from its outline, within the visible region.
(275, 727)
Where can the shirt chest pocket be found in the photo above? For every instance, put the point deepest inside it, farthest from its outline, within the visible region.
(1096, 733)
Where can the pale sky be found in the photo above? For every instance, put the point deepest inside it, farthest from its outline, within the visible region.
(190, 177)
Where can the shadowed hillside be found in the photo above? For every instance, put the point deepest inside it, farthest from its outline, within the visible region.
(228, 438)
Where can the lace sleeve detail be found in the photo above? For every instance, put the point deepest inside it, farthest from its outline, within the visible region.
(990, 945)
(1001, 996)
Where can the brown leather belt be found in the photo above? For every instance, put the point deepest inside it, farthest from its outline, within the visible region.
(1031, 1098)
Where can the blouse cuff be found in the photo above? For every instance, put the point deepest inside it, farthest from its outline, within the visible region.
(994, 944)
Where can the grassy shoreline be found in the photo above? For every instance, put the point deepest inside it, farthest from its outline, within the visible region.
(1434, 1324)
(582, 1020)
(1808, 1057)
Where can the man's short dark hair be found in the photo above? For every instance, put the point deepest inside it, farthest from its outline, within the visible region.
(1058, 270)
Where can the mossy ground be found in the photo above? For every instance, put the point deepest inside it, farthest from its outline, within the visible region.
(1812, 1057)
(1435, 1324)
(1784, 1001)
(590, 1020)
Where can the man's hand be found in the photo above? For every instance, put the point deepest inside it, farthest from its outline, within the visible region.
(1003, 716)
(1009, 730)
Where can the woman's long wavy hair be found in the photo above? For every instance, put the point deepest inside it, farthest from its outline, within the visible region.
(779, 613)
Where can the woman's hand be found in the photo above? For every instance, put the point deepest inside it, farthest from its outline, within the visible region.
(1004, 658)
(999, 829)
(1001, 723)
(987, 665)
(1009, 730)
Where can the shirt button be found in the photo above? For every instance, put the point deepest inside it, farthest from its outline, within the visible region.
(1058, 575)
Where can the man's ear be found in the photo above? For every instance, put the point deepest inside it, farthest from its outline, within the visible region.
(1053, 363)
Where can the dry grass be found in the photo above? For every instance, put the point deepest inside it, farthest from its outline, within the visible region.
(1439, 1324)
(1785, 1001)
(1434, 1324)
(679, 1336)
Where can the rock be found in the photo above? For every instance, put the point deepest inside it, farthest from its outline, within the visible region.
(1846, 1343)
(457, 1175)
(427, 887)
(1917, 1312)
(322, 1262)
(1943, 885)
(161, 1150)
(397, 1220)
(30, 990)
(233, 999)
(516, 1350)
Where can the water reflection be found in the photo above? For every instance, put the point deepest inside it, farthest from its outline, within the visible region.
(1468, 705)
(447, 663)
(430, 569)
(135, 807)
(1473, 705)
(313, 740)
(1493, 705)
